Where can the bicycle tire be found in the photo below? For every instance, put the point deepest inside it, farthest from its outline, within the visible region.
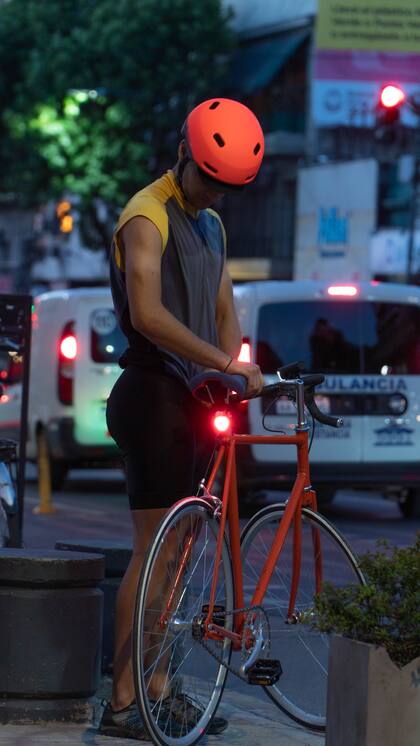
(192, 517)
(301, 691)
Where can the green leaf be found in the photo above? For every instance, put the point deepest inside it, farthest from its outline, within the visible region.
(384, 612)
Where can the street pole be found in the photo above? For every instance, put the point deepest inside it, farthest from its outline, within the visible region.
(311, 131)
(413, 218)
(414, 105)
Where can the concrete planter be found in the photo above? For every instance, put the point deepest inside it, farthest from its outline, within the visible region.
(50, 634)
(371, 701)
(117, 556)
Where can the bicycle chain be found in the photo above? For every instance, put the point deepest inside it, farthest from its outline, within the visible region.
(229, 613)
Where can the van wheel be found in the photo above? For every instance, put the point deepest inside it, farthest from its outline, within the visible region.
(55, 471)
(410, 504)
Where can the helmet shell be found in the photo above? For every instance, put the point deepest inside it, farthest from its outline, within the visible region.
(225, 140)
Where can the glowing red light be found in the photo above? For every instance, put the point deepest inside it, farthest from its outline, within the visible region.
(68, 347)
(342, 290)
(3, 374)
(245, 353)
(391, 96)
(221, 423)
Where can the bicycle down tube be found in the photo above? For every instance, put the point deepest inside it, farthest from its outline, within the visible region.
(301, 494)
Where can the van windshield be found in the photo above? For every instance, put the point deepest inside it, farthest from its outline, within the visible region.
(107, 342)
(340, 337)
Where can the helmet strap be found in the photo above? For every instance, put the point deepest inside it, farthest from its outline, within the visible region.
(180, 172)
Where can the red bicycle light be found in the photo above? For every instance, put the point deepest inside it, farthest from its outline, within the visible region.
(68, 347)
(245, 353)
(348, 291)
(221, 422)
(391, 96)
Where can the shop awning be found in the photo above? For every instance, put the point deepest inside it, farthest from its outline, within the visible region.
(257, 62)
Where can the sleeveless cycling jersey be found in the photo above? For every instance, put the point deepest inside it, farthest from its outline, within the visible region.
(193, 254)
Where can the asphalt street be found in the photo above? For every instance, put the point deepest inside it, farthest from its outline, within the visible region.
(93, 505)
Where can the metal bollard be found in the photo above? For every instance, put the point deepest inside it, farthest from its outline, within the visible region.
(45, 506)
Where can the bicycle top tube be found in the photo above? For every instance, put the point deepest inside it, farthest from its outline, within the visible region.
(221, 390)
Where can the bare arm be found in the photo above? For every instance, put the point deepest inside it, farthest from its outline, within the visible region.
(228, 328)
(143, 253)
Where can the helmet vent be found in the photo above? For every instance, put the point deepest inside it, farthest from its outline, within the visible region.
(257, 148)
(219, 139)
(214, 105)
(211, 168)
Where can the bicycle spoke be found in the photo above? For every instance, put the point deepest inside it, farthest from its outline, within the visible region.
(301, 649)
(172, 670)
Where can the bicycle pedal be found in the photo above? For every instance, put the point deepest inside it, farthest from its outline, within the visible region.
(218, 614)
(264, 672)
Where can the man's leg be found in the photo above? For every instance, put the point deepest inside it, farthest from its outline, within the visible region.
(145, 523)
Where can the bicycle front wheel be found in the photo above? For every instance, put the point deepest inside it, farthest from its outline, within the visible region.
(302, 651)
(179, 677)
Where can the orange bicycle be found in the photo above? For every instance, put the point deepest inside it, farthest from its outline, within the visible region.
(208, 591)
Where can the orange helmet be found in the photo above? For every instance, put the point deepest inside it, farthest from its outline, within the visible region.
(225, 140)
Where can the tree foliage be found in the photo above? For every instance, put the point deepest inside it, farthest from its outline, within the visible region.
(93, 93)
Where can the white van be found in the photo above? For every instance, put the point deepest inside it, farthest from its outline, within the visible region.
(76, 343)
(366, 339)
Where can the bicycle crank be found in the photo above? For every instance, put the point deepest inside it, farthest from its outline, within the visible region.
(255, 669)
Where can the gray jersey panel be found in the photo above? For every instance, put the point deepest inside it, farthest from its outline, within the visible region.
(192, 266)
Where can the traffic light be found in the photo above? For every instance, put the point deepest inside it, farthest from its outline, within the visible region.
(65, 218)
(391, 99)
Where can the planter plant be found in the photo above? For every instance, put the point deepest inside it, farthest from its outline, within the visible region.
(374, 663)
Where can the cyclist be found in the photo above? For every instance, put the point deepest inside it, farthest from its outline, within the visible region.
(174, 302)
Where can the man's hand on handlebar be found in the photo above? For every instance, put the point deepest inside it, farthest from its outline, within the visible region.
(252, 373)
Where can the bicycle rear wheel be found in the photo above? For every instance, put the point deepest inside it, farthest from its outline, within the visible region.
(178, 682)
(303, 652)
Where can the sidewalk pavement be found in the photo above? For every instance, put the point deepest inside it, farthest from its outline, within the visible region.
(251, 723)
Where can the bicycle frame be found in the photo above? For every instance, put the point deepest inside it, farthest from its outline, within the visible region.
(301, 495)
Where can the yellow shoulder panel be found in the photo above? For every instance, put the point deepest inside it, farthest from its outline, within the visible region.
(143, 204)
(149, 203)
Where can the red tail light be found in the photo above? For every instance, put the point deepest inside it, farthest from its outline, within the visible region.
(221, 422)
(68, 347)
(67, 352)
(245, 353)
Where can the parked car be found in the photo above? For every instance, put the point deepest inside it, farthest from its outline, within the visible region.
(76, 344)
(366, 339)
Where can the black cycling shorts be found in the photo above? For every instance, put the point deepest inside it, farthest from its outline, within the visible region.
(163, 434)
